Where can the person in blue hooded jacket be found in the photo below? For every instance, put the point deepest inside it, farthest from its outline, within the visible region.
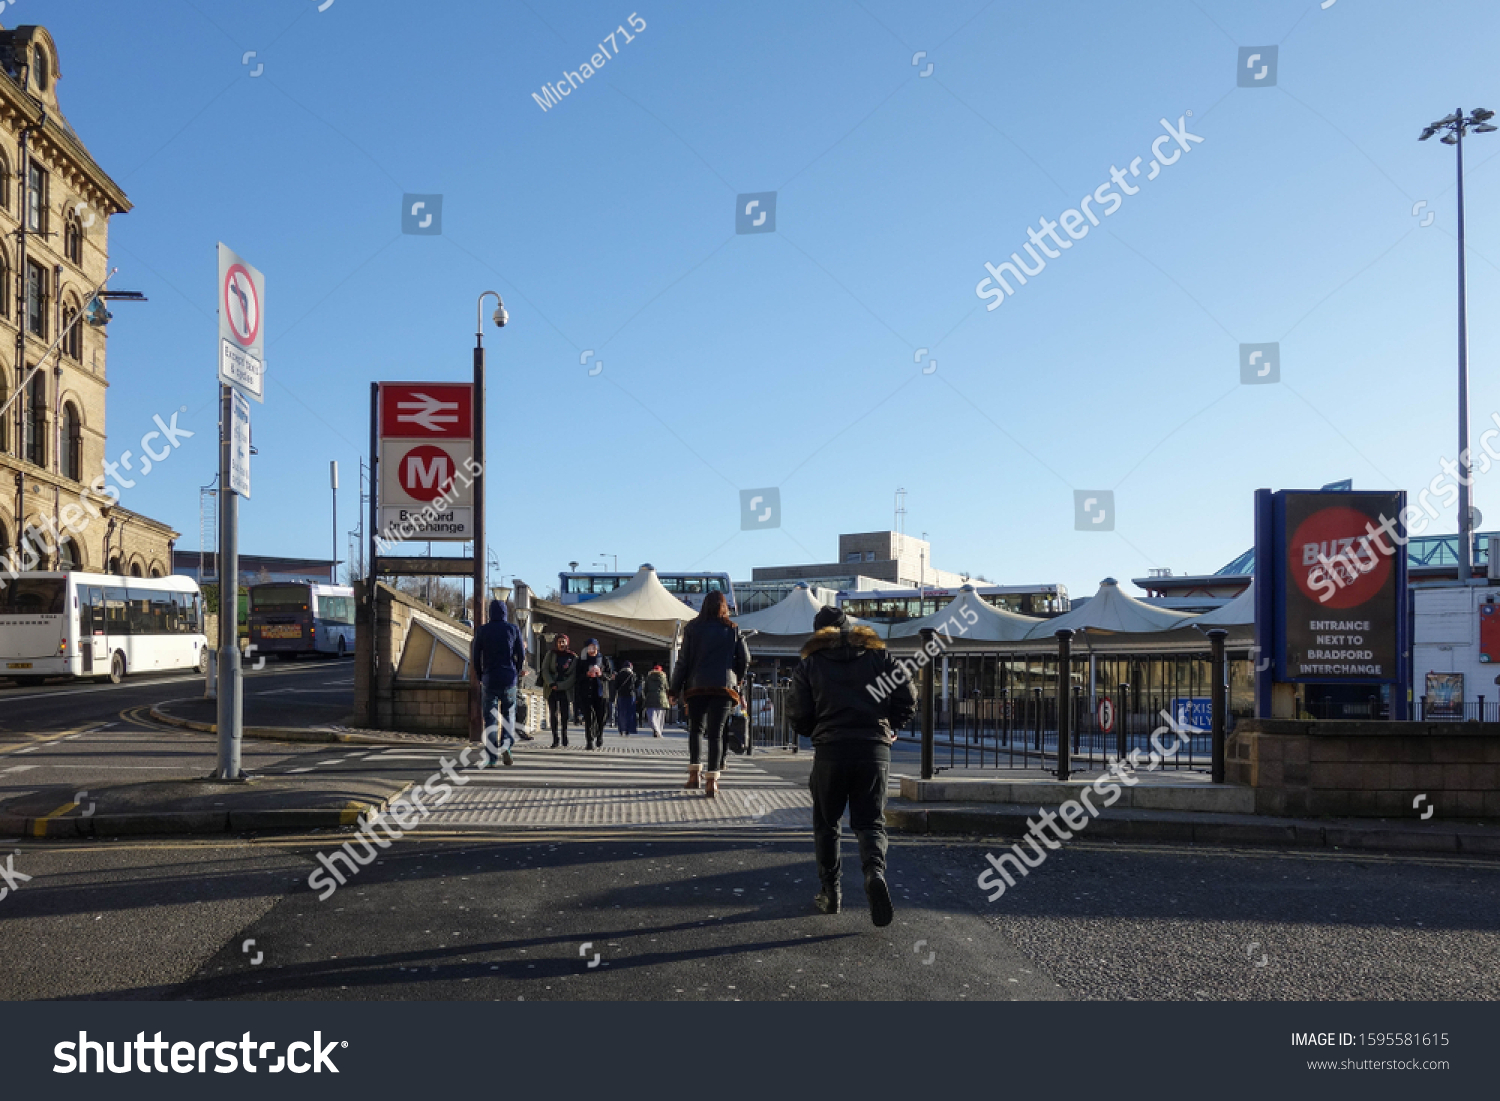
(498, 660)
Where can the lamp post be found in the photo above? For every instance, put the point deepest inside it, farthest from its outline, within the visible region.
(616, 557)
(1456, 127)
(500, 317)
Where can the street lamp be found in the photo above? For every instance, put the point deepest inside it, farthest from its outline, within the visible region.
(500, 317)
(616, 557)
(1455, 127)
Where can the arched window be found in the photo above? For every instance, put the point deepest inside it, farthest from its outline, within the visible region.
(67, 555)
(5, 285)
(35, 450)
(135, 569)
(4, 182)
(73, 238)
(40, 69)
(117, 567)
(5, 547)
(73, 341)
(5, 420)
(72, 456)
(156, 570)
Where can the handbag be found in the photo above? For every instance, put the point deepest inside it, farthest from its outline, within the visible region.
(737, 732)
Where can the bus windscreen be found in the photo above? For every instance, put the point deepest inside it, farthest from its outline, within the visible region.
(279, 598)
(34, 596)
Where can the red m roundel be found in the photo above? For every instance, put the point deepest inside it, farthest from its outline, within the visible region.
(426, 472)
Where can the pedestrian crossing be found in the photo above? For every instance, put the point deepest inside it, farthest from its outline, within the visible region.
(664, 767)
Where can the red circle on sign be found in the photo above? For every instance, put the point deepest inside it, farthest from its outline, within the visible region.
(426, 472)
(249, 307)
(1107, 715)
(1352, 565)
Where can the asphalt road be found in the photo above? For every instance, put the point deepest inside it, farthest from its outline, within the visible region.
(684, 912)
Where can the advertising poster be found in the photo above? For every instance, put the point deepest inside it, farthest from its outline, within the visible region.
(1340, 594)
(1445, 696)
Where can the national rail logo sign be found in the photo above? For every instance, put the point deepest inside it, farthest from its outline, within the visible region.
(427, 460)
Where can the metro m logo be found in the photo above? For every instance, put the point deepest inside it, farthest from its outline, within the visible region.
(426, 472)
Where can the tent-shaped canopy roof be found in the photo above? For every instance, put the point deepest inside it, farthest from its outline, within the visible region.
(1237, 613)
(643, 597)
(792, 615)
(1112, 610)
(970, 617)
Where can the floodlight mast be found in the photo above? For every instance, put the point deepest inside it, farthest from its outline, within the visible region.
(1456, 127)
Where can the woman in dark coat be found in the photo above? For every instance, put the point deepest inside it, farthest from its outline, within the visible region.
(591, 693)
(625, 712)
(709, 670)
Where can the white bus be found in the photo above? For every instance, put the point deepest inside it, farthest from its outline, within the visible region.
(99, 625)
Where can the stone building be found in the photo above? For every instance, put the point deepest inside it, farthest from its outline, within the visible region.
(57, 507)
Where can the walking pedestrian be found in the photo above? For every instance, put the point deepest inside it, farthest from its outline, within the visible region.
(497, 660)
(837, 700)
(591, 693)
(625, 712)
(709, 670)
(654, 696)
(559, 668)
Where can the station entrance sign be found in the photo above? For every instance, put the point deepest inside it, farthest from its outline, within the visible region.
(427, 465)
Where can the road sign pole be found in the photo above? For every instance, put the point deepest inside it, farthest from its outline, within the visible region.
(230, 697)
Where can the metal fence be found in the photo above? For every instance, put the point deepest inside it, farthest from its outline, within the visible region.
(1000, 711)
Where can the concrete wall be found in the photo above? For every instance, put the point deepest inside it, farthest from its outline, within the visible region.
(1367, 770)
(424, 706)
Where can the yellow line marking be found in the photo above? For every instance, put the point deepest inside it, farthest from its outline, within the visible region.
(38, 740)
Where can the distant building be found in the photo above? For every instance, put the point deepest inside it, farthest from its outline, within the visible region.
(256, 568)
(55, 206)
(887, 557)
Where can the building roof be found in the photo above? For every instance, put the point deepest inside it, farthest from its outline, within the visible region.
(970, 617)
(642, 598)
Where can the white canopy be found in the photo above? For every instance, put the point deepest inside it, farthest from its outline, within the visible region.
(643, 597)
(968, 616)
(793, 615)
(1237, 613)
(1112, 610)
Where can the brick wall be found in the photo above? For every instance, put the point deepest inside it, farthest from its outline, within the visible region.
(1362, 770)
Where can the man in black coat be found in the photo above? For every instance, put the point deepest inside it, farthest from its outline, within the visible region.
(849, 696)
(497, 660)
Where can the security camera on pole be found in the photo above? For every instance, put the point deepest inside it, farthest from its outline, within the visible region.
(242, 369)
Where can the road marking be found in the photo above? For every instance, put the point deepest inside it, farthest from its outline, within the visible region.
(18, 768)
(292, 770)
(29, 749)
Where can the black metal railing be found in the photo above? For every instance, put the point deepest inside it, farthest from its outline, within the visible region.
(1440, 711)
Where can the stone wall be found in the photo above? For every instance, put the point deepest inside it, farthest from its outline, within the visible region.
(397, 703)
(1367, 769)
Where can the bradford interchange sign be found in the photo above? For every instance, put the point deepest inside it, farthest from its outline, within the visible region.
(1340, 586)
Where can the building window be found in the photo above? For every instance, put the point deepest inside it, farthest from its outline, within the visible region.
(116, 567)
(72, 443)
(4, 421)
(5, 291)
(5, 183)
(852, 556)
(36, 198)
(40, 69)
(73, 340)
(135, 569)
(67, 555)
(36, 299)
(73, 239)
(35, 450)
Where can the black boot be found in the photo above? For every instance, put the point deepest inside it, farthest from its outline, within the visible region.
(882, 912)
(827, 900)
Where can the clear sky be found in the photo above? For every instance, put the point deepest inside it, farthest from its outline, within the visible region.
(789, 359)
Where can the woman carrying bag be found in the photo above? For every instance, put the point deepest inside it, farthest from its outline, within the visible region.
(709, 670)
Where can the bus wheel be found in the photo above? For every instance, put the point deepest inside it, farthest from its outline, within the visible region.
(117, 668)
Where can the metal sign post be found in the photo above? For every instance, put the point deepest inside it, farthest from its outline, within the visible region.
(241, 302)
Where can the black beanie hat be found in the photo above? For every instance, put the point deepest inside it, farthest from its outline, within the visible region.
(829, 616)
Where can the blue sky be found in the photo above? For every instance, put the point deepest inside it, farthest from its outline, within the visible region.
(788, 359)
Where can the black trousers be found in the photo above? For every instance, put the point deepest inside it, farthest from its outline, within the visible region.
(557, 711)
(859, 784)
(591, 713)
(707, 717)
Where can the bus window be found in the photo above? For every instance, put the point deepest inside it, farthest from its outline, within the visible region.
(336, 609)
(715, 585)
(116, 612)
(282, 598)
(34, 596)
(692, 584)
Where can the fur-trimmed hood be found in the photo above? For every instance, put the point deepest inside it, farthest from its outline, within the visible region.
(860, 638)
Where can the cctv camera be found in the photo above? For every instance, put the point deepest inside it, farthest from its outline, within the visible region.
(501, 317)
